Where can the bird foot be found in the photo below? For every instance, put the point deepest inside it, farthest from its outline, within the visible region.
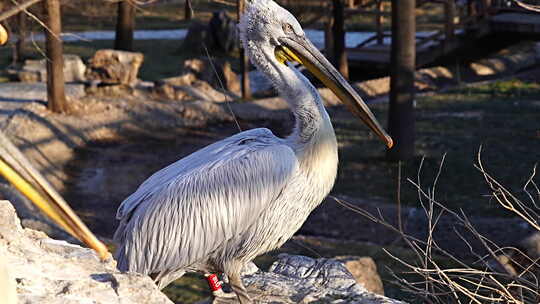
(221, 297)
(222, 294)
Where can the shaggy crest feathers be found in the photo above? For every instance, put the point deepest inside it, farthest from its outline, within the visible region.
(263, 19)
(255, 11)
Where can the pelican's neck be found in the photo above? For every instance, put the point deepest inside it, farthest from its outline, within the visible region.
(312, 121)
(311, 118)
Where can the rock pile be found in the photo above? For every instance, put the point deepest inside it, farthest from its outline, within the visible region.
(52, 271)
(217, 72)
(114, 67)
(36, 70)
(299, 279)
(364, 271)
(202, 79)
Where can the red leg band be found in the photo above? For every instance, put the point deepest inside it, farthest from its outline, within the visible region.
(213, 282)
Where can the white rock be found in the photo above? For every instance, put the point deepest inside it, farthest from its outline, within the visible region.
(49, 271)
(300, 279)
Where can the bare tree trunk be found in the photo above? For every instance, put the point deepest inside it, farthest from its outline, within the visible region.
(188, 10)
(244, 61)
(340, 55)
(329, 37)
(450, 15)
(379, 19)
(22, 33)
(402, 91)
(56, 98)
(125, 23)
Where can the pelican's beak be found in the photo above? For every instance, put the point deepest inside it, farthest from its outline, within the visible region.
(301, 50)
(3, 35)
(16, 169)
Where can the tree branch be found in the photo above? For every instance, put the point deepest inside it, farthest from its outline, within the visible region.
(17, 9)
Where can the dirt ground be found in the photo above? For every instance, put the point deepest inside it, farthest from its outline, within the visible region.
(100, 153)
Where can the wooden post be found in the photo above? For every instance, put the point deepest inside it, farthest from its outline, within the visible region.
(22, 33)
(188, 10)
(244, 61)
(402, 90)
(329, 37)
(125, 23)
(471, 8)
(338, 28)
(486, 5)
(450, 15)
(379, 22)
(56, 98)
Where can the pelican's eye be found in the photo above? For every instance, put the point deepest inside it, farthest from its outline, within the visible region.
(288, 28)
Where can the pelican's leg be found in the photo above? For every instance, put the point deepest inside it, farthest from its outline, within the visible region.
(220, 296)
(238, 287)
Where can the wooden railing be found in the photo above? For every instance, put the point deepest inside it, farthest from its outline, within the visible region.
(454, 18)
(458, 16)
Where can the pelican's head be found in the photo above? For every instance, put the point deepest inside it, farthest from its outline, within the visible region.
(268, 30)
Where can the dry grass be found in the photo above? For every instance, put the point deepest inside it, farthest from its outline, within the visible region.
(500, 275)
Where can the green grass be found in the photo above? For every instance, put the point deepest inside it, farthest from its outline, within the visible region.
(85, 15)
(502, 117)
(162, 58)
(190, 288)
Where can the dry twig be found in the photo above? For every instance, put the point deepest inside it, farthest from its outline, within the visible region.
(486, 280)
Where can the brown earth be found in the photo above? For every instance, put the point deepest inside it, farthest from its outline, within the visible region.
(106, 147)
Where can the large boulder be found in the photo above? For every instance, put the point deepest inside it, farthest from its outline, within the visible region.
(169, 88)
(202, 90)
(36, 70)
(202, 79)
(364, 271)
(43, 270)
(196, 90)
(300, 279)
(506, 61)
(114, 67)
(50, 271)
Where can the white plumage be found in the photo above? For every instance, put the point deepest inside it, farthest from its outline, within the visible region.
(220, 207)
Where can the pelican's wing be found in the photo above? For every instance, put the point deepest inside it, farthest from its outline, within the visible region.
(188, 209)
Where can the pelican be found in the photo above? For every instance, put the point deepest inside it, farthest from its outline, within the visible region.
(220, 207)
